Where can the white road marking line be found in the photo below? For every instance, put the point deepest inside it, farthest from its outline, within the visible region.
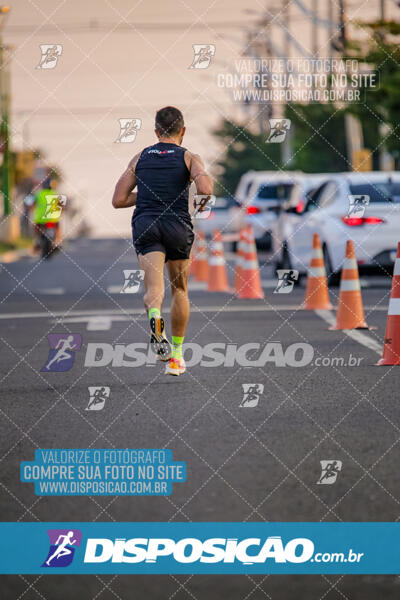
(98, 323)
(269, 283)
(114, 289)
(196, 286)
(138, 311)
(355, 334)
(57, 291)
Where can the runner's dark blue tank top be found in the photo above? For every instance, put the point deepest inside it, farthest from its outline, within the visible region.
(163, 181)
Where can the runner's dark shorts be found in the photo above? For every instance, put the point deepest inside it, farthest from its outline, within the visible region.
(172, 235)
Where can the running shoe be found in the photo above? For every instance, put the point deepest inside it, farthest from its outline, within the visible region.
(158, 340)
(175, 366)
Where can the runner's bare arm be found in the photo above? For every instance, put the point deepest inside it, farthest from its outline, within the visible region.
(123, 196)
(203, 182)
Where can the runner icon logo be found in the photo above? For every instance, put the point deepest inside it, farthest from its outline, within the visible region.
(286, 280)
(128, 129)
(251, 394)
(203, 205)
(98, 396)
(357, 205)
(50, 55)
(62, 351)
(203, 54)
(132, 281)
(54, 205)
(63, 543)
(278, 130)
(329, 471)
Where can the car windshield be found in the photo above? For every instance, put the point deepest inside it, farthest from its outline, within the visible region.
(379, 191)
(279, 191)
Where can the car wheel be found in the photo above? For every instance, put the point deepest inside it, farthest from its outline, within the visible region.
(285, 261)
(333, 277)
(277, 264)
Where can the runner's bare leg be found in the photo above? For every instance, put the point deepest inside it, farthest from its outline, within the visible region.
(178, 271)
(153, 266)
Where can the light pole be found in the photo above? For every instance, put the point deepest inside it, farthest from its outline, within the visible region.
(5, 104)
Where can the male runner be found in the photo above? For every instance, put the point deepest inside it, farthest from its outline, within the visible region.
(162, 227)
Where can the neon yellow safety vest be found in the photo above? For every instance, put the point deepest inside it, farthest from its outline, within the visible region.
(47, 209)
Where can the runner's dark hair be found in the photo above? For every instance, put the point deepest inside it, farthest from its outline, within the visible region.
(169, 121)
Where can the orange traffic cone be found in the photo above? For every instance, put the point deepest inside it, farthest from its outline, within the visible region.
(350, 313)
(317, 296)
(391, 346)
(239, 260)
(201, 273)
(217, 277)
(250, 282)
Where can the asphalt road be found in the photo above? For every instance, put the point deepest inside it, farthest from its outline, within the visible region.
(259, 463)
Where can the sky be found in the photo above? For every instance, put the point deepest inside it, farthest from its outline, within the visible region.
(125, 59)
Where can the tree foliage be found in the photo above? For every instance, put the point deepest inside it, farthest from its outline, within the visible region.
(318, 130)
(319, 140)
(242, 151)
(380, 104)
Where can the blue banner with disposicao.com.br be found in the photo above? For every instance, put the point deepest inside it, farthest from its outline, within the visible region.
(194, 548)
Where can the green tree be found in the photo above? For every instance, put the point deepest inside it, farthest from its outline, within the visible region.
(319, 139)
(242, 151)
(381, 103)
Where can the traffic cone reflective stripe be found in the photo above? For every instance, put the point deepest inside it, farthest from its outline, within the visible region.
(217, 277)
(391, 346)
(249, 285)
(201, 272)
(316, 272)
(216, 261)
(394, 306)
(350, 313)
(317, 296)
(350, 285)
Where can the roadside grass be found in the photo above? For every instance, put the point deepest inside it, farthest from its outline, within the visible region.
(19, 244)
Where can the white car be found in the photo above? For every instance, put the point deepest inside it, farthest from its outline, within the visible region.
(245, 183)
(266, 191)
(374, 227)
(290, 211)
